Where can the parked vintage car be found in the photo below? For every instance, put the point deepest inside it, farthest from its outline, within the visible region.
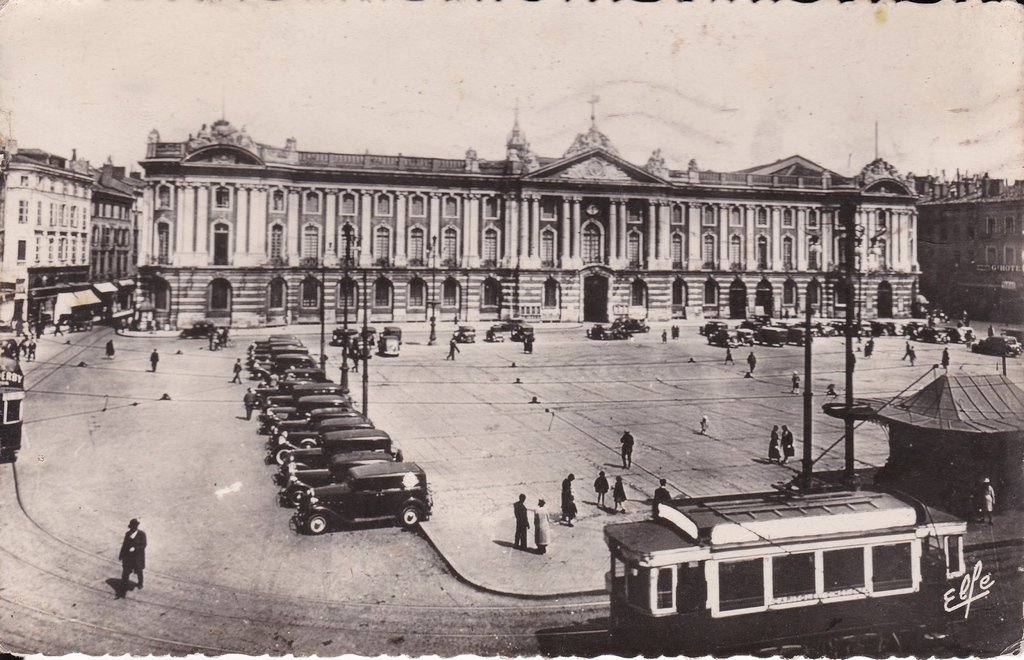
(756, 322)
(1016, 334)
(772, 336)
(962, 335)
(342, 442)
(300, 482)
(310, 421)
(301, 407)
(338, 335)
(726, 339)
(913, 329)
(601, 333)
(378, 492)
(797, 335)
(393, 330)
(199, 330)
(389, 345)
(314, 436)
(933, 335)
(466, 334)
(310, 374)
(632, 326)
(711, 327)
(999, 345)
(517, 330)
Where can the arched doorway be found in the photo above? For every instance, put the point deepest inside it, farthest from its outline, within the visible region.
(348, 300)
(711, 309)
(814, 297)
(884, 300)
(737, 299)
(218, 299)
(595, 298)
(764, 297)
(490, 300)
(638, 294)
(679, 298)
(277, 300)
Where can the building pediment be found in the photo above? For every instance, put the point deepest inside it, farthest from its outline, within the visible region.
(223, 154)
(594, 166)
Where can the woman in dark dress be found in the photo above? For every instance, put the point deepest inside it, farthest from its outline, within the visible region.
(787, 444)
(773, 446)
(568, 500)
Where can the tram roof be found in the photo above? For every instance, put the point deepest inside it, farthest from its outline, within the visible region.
(763, 518)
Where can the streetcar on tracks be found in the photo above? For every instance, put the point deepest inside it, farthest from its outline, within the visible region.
(12, 398)
(831, 573)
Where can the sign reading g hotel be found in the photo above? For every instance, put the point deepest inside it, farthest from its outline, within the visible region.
(1001, 268)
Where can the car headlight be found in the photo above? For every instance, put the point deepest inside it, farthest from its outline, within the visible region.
(291, 467)
(292, 478)
(313, 500)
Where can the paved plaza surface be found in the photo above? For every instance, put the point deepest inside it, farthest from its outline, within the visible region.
(101, 447)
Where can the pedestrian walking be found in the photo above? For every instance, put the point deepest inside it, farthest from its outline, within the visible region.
(986, 500)
(869, 348)
(32, 348)
(945, 358)
(541, 528)
(627, 449)
(796, 383)
(23, 347)
(619, 495)
(453, 348)
(907, 351)
(132, 555)
(661, 495)
(728, 356)
(773, 446)
(703, 424)
(109, 350)
(211, 336)
(788, 451)
(249, 401)
(601, 488)
(568, 500)
(238, 371)
(528, 344)
(58, 331)
(751, 362)
(991, 331)
(664, 336)
(913, 356)
(522, 523)
(830, 390)
(154, 359)
(675, 332)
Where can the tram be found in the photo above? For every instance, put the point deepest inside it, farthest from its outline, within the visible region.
(12, 396)
(834, 573)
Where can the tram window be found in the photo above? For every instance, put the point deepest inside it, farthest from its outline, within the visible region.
(741, 584)
(843, 569)
(665, 594)
(638, 587)
(793, 575)
(13, 412)
(891, 567)
(954, 554)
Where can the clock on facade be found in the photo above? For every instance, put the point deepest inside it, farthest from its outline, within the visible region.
(592, 209)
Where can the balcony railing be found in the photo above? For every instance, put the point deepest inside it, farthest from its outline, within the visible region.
(547, 263)
(159, 260)
(383, 262)
(416, 263)
(738, 266)
(309, 262)
(636, 263)
(488, 263)
(277, 262)
(710, 265)
(450, 262)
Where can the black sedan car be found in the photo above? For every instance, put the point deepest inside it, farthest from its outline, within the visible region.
(199, 330)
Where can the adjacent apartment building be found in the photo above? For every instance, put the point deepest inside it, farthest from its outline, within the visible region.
(248, 233)
(972, 246)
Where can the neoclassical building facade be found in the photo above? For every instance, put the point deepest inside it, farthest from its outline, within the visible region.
(251, 234)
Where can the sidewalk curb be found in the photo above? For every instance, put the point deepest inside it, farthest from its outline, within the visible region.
(490, 590)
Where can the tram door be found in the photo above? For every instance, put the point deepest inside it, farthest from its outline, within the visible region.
(11, 401)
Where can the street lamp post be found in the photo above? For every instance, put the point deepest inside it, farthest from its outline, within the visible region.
(323, 328)
(432, 341)
(366, 352)
(347, 255)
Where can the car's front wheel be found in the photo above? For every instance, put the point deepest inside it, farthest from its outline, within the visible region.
(294, 496)
(410, 516)
(317, 524)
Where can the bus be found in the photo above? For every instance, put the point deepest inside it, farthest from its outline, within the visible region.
(835, 573)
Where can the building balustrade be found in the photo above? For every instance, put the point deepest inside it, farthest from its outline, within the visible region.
(383, 262)
(309, 262)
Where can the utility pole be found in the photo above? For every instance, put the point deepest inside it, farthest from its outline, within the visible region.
(366, 352)
(847, 218)
(806, 471)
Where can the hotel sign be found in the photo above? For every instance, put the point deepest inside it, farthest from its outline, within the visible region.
(1000, 268)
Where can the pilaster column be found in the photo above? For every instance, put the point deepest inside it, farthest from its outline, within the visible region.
(651, 244)
(435, 221)
(800, 246)
(750, 242)
(722, 216)
(472, 231)
(186, 226)
(623, 232)
(401, 258)
(577, 259)
(147, 218)
(564, 230)
(292, 228)
(613, 234)
(693, 241)
(826, 243)
(330, 228)
(664, 244)
(202, 231)
(775, 218)
(365, 207)
(258, 225)
(534, 231)
(241, 226)
(513, 231)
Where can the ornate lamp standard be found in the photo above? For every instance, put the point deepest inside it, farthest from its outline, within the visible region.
(346, 259)
(432, 301)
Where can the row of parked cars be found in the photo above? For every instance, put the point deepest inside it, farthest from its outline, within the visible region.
(361, 343)
(332, 464)
(623, 328)
(514, 329)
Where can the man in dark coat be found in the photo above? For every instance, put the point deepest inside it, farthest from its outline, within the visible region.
(751, 361)
(453, 348)
(945, 358)
(661, 494)
(249, 401)
(627, 449)
(788, 451)
(238, 371)
(132, 555)
(154, 358)
(522, 523)
(601, 488)
(568, 500)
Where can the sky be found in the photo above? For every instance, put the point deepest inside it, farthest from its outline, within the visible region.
(731, 85)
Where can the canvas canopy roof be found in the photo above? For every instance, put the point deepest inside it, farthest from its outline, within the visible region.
(967, 404)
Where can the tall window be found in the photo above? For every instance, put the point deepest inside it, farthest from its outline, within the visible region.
(633, 254)
(550, 299)
(813, 255)
(39, 248)
(382, 294)
(222, 198)
(789, 292)
(991, 255)
(490, 251)
(383, 205)
(490, 207)
(39, 214)
(882, 253)
(417, 207)
(221, 248)
(450, 294)
(450, 245)
(62, 249)
(309, 293)
(348, 294)
(677, 250)
(812, 219)
(220, 296)
(735, 250)
(310, 241)
(735, 218)
(277, 200)
(312, 202)
(787, 217)
(638, 294)
(23, 212)
(491, 294)
(416, 292)
(416, 240)
(591, 244)
(711, 293)
(276, 242)
(709, 216)
(762, 217)
(22, 250)
(163, 197)
(547, 247)
(451, 207)
(708, 250)
(883, 221)
(1008, 255)
(677, 215)
(348, 204)
(161, 294)
(382, 243)
(787, 253)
